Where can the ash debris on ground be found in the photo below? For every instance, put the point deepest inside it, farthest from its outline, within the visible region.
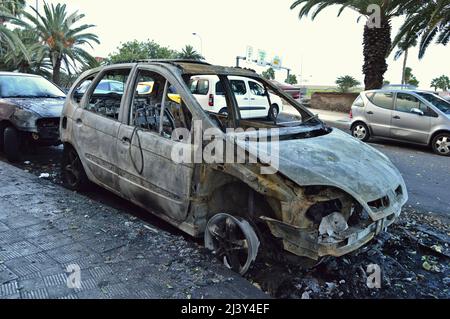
(413, 257)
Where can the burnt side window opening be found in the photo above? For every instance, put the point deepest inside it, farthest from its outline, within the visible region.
(108, 93)
(82, 88)
(151, 90)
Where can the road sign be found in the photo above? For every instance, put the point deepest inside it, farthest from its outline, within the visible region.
(262, 58)
(249, 54)
(276, 62)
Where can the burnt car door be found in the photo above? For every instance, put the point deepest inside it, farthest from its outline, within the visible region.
(96, 126)
(148, 175)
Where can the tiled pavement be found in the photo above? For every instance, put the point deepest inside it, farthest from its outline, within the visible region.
(44, 229)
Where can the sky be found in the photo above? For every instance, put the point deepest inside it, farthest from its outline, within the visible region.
(317, 51)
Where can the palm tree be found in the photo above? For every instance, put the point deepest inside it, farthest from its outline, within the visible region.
(189, 53)
(410, 77)
(269, 74)
(377, 40)
(59, 39)
(442, 82)
(403, 48)
(10, 10)
(428, 20)
(13, 7)
(345, 83)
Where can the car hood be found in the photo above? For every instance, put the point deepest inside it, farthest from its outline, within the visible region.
(44, 107)
(338, 160)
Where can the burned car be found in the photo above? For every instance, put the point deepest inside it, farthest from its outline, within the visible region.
(30, 110)
(305, 191)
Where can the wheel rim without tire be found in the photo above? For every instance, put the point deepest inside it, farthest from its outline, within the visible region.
(360, 132)
(72, 168)
(233, 240)
(443, 145)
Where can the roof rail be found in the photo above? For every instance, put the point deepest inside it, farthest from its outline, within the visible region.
(172, 61)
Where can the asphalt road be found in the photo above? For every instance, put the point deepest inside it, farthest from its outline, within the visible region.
(427, 175)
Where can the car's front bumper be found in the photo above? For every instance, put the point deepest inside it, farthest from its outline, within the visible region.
(306, 243)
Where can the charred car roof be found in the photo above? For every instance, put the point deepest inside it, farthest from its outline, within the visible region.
(194, 67)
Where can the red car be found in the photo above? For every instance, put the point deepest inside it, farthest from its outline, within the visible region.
(293, 90)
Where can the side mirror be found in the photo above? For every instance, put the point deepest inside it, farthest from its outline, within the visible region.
(417, 111)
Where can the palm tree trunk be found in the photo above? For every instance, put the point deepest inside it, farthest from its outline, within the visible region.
(377, 43)
(405, 59)
(57, 71)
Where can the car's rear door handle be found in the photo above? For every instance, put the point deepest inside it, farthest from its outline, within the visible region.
(397, 117)
(79, 121)
(370, 112)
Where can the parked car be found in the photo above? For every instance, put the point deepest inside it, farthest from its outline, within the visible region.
(30, 110)
(325, 193)
(106, 86)
(147, 87)
(298, 93)
(253, 101)
(407, 115)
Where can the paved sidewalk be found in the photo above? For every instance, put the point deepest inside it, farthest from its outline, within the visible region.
(45, 228)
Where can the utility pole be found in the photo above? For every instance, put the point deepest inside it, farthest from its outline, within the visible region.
(240, 58)
(201, 41)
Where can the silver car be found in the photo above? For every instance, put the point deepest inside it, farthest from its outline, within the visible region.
(414, 116)
(329, 195)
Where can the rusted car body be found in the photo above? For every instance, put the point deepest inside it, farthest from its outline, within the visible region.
(324, 176)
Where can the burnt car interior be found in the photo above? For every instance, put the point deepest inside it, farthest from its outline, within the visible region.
(147, 106)
(292, 116)
(107, 102)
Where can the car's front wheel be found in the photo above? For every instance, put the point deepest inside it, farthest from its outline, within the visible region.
(72, 171)
(441, 144)
(11, 144)
(361, 131)
(233, 240)
(274, 111)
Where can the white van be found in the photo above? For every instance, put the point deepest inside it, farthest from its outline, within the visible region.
(250, 95)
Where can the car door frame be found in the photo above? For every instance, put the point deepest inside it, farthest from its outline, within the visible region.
(170, 202)
(262, 111)
(243, 101)
(107, 177)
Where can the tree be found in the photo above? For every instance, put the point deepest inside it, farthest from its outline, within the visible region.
(59, 39)
(442, 82)
(269, 74)
(189, 53)
(427, 20)
(347, 82)
(291, 79)
(403, 47)
(10, 11)
(25, 60)
(13, 7)
(377, 39)
(135, 50)
(410, 78)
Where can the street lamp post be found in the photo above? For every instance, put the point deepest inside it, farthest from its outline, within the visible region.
(201, 41)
